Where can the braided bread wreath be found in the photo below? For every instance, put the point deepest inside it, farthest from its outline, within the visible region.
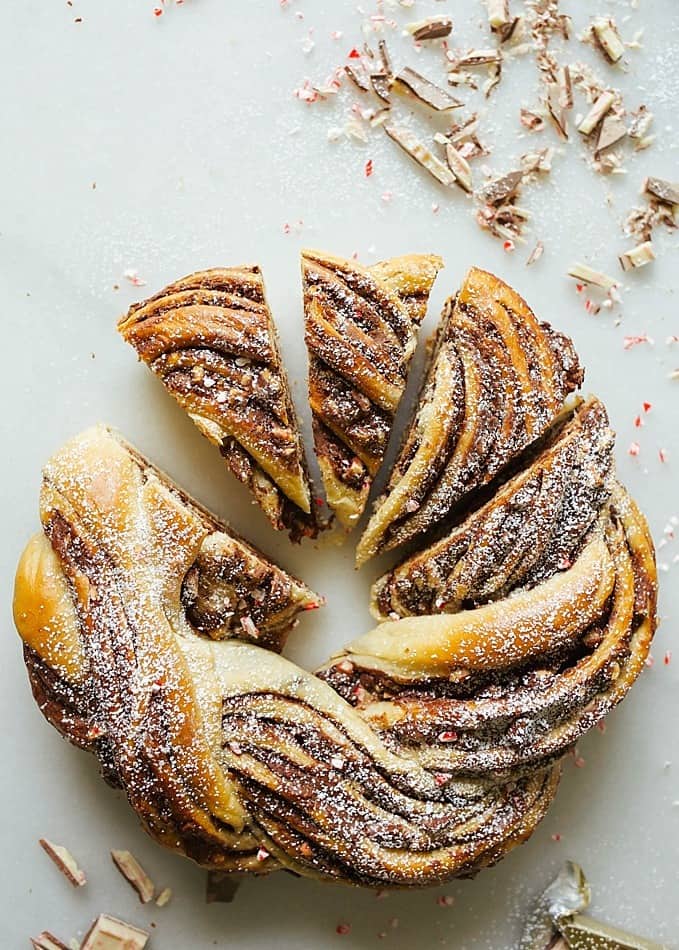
(425, 749)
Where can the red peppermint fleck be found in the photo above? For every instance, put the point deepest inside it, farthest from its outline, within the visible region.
(556, 837)
(440, 778)
(133, 276)
(369, 168)
(634, 449)
(649, 661)
(638, 422)
(448, 736)
(360, 694)
(157, 11)
(630, 341)
(343, 929)
(667, 659)
(579, 288)
(353, 54)
(508, 246)
(647, 406)
(579, 762)
(336, 35)
(445, 900)
(662, 455)
(262, 854)
(286, 228)
(435, 208)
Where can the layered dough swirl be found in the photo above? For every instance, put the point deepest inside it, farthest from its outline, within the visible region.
(497, 379)
(361, 328)
(211, 339)
(425, 750)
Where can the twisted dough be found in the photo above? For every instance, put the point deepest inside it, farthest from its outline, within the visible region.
(497, 379)
(361, 328)
(427, 749)
(211, 339)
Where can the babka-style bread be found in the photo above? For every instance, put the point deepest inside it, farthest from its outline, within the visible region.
(361, 331)
(533, 526)
(211, 339)
(497, 378)
(425, 749)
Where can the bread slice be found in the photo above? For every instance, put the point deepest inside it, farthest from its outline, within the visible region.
(361, 328)
(497, 379)
(211, 339)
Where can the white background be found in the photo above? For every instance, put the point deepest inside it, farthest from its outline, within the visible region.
(201, 154)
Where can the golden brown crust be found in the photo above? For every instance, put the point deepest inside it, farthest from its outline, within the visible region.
(528, 529)
(361, 330)
(211, 339)
(426, 750)
(497, 378)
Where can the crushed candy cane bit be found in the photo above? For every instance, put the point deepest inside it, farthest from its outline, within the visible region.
(133, 276)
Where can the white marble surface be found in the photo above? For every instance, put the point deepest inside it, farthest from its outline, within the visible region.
(200, 155)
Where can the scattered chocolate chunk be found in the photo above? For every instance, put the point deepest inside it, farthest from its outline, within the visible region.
(612, 131)
(420, 153)
(540, 161)
(459, 166)
(641, 122)
(599, 109)
(639, 256)
(65, 861)
(427, 91)
(358, 76)
(557, 109)
(457, 77)
(431, 28)
(164, 897)
(381, 84)
(535, 254)
(499, 189)
(606, 37)
(221, 887)
(109, 933)
(566, 88)
(533, 121)
(666, 192)
(132, 870)
(385, 58)
(587, 275)
(505, 220)
(47, 941)
(495, 75)
(479, 57)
